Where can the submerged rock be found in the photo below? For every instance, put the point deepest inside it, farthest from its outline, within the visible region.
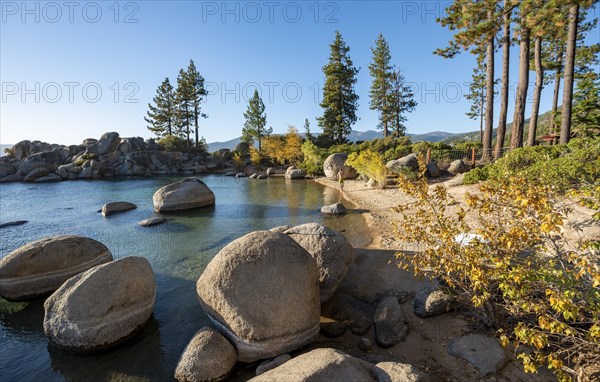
(331, 251)
(11, 224)
(262, 293)
(101, 307)
(185, 194)
(41, 267)
(208, 357)
(152, 221)
(116, 207)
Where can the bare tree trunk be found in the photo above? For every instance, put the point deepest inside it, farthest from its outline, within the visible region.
(481, 108)
(567, 101)
(516, 135)
(501, 132)
(553, 126)
(489, 98)
(537, 91)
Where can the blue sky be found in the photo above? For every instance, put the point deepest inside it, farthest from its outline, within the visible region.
(75, 70)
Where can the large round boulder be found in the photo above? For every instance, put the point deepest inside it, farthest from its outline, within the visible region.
(262, 292)
(336, 162)
(101, 307)
(186, 194)
(41, 267)
(458, 167)
(208, 357)
(331, 251)
(324, 364)
(117, 207)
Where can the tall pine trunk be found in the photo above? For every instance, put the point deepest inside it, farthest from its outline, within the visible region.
(567, 101)
(516, 134)
(501, 132)
(537, 91)
(555, 97)
(481, 108)
(489, 97)
(196, 116)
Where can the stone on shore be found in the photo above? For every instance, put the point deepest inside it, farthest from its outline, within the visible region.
(404, 164)
(336, 162)
(433, 171)
(390, 324)
(401, 372)
(331, 251)
(262, 293)
(430, 301)
(458, 167)
(485, 353)
(117, 207)
(186, 194)
(101, 307)
(324, 364)
(334, 209)
(41, 267)
(208, 357)
(48, 178)
(152, 221)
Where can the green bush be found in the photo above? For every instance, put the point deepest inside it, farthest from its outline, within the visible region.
(313, 158)
(173, 143)
(562, 166)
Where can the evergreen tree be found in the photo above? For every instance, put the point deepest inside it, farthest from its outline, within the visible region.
(197, 92)
(340, 102)
(308, 136)
(184, 96)
(401, 102)
(476, 95)
(161, 115)
(586, 108)
(381, 73)
(256, 120)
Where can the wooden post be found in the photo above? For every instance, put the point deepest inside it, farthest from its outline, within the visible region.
(473, 157)
(428, 159)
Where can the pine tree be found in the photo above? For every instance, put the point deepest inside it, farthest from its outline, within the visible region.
(256, 120)
(401, 102)
(198, 92)
(381, 73)
(161, 115)
(184, 96)
(307, 135)
(340, 102)
(586, 108)
(476, 95)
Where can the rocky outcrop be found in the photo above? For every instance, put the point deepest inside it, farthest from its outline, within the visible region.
(41, 267)
(117, 207)
(482, 352)
(430, 301)
(334, 209)
(262, 293)
(336, 162)
(458, 167)
(331, 251)
(390, 324)
(183, 195)
(37, 173)
(101, 307)
(320, 365)
(208, 357)
(108, 143)
(405, 164)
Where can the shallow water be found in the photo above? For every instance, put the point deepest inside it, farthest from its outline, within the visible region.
(178, 251)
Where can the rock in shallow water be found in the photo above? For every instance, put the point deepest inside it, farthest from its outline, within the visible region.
(11, 224)
(208, 357)
(116, 207)
(152, 221)
(334, 209)
(186, 194)
(262, 293)
(101, 307)
(41, 267)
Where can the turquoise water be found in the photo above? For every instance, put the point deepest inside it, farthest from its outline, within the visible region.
(178, 251)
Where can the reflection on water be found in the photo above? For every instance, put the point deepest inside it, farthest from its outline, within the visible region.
(178, 251)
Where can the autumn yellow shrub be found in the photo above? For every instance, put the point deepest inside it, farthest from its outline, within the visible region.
(517, 273)
(369, 164)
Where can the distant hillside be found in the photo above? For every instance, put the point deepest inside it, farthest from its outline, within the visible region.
(543, 126)
(354, 136)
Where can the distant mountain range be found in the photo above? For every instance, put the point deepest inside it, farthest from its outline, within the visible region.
(354, 136)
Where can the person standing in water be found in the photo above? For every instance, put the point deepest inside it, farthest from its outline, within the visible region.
(341, 181)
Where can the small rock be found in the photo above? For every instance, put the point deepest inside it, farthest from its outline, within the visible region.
(262, 176)
(390, 324)
(361, 326)
(333, 329)
(365, 344)
(152, 221)
(430, 301)
(485, 353)
(208, 357)
(117, 207)
(10, 224)
(334, 209)
(241, 175)
(272, 364)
